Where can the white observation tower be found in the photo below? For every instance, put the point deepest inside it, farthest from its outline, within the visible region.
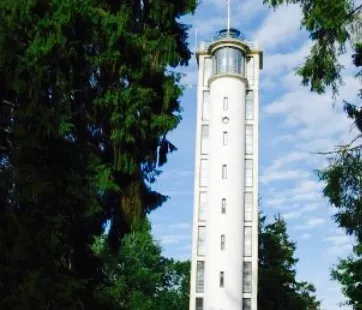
(225, 220)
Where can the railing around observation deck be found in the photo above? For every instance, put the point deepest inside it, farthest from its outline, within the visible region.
(227, 34)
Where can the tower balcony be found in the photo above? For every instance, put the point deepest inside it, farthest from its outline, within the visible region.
(227, 35)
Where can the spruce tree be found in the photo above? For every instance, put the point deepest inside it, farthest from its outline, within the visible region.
(87, 97)
(277, 284)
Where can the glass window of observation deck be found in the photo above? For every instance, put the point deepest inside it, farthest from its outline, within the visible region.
(229, 60)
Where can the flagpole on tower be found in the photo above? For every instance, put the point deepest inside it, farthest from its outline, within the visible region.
(228, 26)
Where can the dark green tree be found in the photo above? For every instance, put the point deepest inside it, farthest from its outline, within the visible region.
(87, 98)
(277, 285)
(348, 274)
(139, 277)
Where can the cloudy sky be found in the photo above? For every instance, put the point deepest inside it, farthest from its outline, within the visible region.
(294, 124)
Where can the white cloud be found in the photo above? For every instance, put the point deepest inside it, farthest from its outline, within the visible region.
(184, 225)
(305, 236)
(242, 12)
(174, 239)
(305, 196)
(344, 249)
(306, 121)
(190, 79)
(303, 112)
(183, 256)
(279, 63)
(282, 176)
(239, 10)
(339, 239)
(311, 223)
(207, 27)
(340, 244)
(248, 9)
(286, 159)
(172, 193)
(283, 139)
(176, 173)
(279, 25)
(275, 202)
(313, 196)
(300, 211)
(307, 186)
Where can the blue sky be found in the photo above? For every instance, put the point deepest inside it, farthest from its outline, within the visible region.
(293, 124)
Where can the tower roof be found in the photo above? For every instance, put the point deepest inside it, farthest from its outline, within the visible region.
(229, 33)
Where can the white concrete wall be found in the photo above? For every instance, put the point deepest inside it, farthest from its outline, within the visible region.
(229, 260)
(231, 223)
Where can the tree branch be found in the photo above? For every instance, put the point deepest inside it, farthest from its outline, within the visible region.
(355, 10)
(343, 148)
(9, 103)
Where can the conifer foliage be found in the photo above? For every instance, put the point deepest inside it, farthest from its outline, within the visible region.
(87, 97)
(278, 287)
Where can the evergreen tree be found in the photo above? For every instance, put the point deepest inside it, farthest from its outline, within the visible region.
(86, 101)
(277, 285)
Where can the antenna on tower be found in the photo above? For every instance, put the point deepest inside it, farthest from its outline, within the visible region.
(228, 25)
(195, 48)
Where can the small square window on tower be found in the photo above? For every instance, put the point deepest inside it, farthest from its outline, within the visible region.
(224, 172)
(225, 138)
(222, 279)
(223, 206)
(222, 242)
(226, 104)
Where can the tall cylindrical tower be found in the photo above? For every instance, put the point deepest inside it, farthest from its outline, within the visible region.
(225, 228)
